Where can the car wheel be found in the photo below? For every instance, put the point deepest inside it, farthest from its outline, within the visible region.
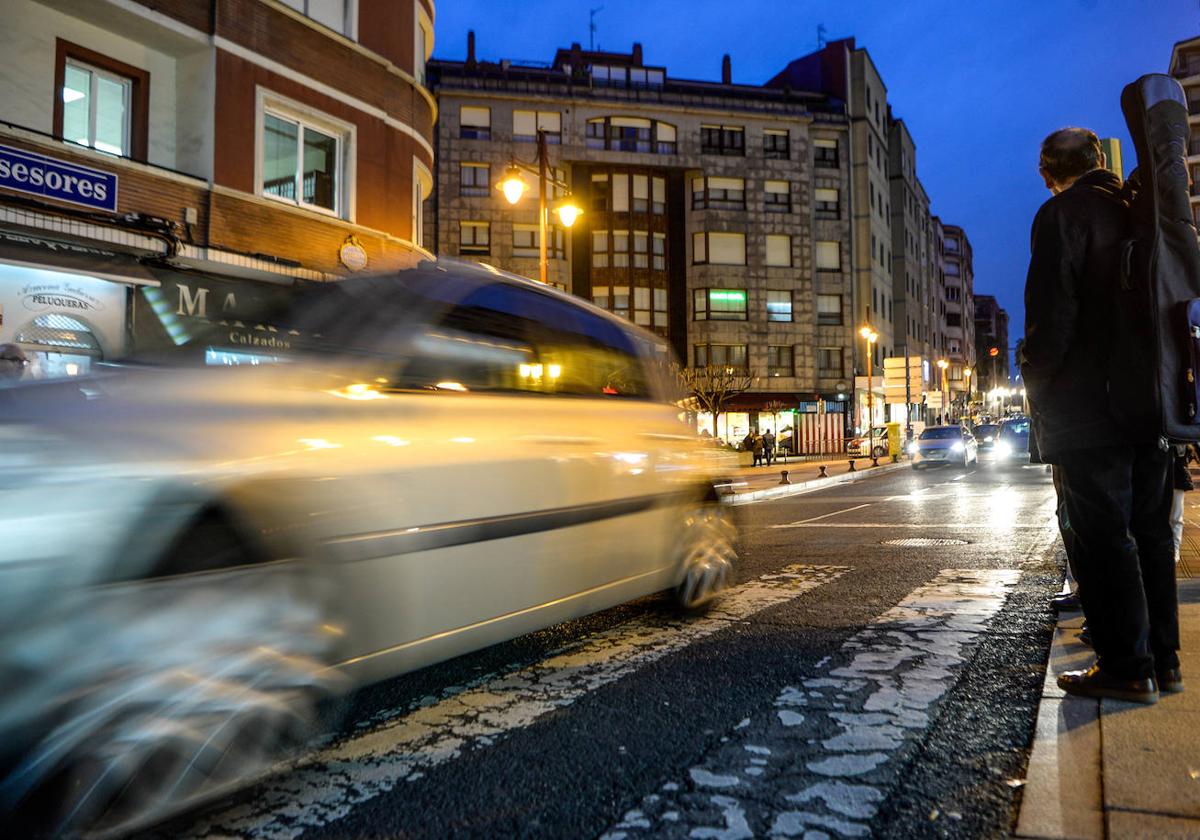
(708, 556)
(917, 466)
(181, 687)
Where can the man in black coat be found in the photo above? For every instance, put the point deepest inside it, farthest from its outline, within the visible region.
(1115, 474)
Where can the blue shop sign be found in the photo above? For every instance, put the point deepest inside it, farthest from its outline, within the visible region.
(40, 175)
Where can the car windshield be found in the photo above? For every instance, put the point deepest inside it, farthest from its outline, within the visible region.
(1015, 428)
(985, 430)
(941, 433)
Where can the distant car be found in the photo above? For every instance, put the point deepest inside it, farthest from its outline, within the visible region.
(944, 445)
(858, 445)
(1012, 442)
(985, 435)
(198, 550)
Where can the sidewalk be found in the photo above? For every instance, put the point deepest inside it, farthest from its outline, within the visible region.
(752, 484)
(1107, 769)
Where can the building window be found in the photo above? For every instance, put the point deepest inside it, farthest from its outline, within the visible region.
(953, 319)
(952, 269)
(336, 14)
(719, 304)
(718, 194)
(720, 355)
(474, 179)
(719, 248)
(829, 362)
(775, 144)
(641, 194)
(600, 249)
(659, 197)
(829, 256)
(101, 103)
(953, 293)
(829, 310)
(422, 43)
(779, 361)
(777, 197)
(779, 306)
(722, 140)
(474, 238)
(604, 75)
(301, 162)
(826, 206)
(475, 123)
(825, 153)
(779, 250)
(422, 189)
(630, 134)
(951, 245)
(526, 125)
(527, 242)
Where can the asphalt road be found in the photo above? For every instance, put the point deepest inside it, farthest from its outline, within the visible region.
(874, 673)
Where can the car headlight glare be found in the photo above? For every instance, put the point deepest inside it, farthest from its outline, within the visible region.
(1004, 449)
(913, 449)
(958, 446)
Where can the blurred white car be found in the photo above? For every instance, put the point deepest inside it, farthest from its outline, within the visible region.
(194, 554)
(943, 445)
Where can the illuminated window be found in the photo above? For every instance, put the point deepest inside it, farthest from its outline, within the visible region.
(779, 306)
(719, 304)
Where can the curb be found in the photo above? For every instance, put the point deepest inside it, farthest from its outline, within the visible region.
(782, 490)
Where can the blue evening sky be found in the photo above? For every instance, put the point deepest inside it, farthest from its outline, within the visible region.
(979, 82)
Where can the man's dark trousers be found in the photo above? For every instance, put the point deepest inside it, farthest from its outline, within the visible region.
(1118, 503)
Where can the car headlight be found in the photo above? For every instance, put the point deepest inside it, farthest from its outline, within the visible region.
(913, 449)
(987, 439)
(1004, 449)
(958, 446)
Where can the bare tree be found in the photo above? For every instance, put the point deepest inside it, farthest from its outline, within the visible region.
(773, 407)
(713, 387)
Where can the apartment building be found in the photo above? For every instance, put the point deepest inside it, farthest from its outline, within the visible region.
(958, 288)
(163, 161)
(1185, 66)
(715, 214)
(991, 333)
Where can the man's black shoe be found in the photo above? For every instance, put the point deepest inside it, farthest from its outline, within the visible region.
(1065, 602)
(1169, 681)
(1085, 635)
(1095, 683)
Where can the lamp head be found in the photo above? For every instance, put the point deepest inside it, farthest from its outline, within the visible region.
(568, 213)
(513, 186)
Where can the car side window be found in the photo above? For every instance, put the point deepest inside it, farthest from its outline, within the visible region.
(502, 337)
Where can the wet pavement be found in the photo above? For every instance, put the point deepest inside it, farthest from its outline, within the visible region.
(876, 672)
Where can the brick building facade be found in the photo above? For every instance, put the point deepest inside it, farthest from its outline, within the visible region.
(249, 145)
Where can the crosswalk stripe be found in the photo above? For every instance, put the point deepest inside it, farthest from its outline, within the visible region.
(328, 786)
(783, 773)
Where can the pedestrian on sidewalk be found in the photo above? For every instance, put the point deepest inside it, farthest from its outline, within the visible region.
(758, 448)
(1182, 482)
(769, 447)
(1116, 479)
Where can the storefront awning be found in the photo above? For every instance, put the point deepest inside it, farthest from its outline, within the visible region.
(61, 254)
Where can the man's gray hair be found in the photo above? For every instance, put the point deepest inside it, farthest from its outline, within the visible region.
(1069, 153)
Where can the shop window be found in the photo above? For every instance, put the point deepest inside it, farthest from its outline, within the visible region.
(474, 238)
(779, 306)
(302, 161)
(775, 144)
(56, 346)
(474, 179)
(100, 102)
(779, 250)
(829, 310)
(719, 304)
(526, 125)
(475, 123)
(779, 361)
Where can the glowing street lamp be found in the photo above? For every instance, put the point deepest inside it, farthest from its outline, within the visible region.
(870, 336)
(945, 365)
(514, 186)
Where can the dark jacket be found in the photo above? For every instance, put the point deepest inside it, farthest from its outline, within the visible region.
(1070, 296)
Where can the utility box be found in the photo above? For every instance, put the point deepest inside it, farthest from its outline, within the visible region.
(895, 438)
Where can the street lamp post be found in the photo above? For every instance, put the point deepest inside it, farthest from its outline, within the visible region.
(513, 186)
(944, 365)
(967, 373)
(870, 336)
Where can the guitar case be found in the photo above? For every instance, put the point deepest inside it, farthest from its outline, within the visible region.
(1159, 301)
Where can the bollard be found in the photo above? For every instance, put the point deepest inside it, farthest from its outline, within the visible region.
(874, 462)
(851, 466)
(784, 477)
(823, 473)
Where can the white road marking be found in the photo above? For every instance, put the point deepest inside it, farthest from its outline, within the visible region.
(974, 526)
(822, 516)
(329, 785)
(820, 763)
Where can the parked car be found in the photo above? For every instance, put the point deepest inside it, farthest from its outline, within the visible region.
(944, 445)
(200, 547)
(985, 435)
(859, 446)
(1012, 442)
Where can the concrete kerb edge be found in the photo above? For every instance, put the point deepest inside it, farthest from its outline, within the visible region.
(784, 490)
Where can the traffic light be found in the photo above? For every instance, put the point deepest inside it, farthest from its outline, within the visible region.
(995, 351)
